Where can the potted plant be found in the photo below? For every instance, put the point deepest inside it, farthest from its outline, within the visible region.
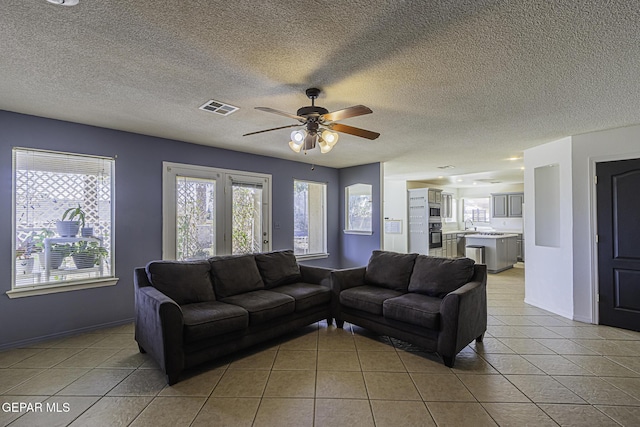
(58, 252)
(70, 227)
(88, 254)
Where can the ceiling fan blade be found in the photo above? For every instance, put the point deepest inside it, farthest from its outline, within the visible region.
(281, 113)
(356, 110)
(269, 130)
(363, 133)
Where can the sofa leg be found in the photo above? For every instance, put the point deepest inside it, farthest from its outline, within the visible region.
(142, 350)
(329, 321)
(449, 361)
(339, 323)
(480, 338)
(172, 378)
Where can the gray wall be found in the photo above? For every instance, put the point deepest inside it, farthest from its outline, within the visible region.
(356, 248)
(138, 216)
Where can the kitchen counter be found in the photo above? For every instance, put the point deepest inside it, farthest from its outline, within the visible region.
(459, 232)
(489, 236)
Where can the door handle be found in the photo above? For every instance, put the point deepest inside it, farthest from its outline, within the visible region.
(264, 242)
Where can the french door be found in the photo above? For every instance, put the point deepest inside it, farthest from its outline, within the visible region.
(208, 211)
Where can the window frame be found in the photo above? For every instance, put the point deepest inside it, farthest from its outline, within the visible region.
(70, 284)
(224, 181)
(324, 253)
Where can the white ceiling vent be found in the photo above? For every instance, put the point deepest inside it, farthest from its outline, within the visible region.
(219, 107)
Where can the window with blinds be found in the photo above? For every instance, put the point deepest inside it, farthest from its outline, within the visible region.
(62, 218)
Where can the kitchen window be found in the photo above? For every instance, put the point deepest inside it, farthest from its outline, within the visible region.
(477, 209)
(62, 222)
(309, 219)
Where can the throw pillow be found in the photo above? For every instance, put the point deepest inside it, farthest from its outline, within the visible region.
(278, 268)
(437, 277)
(389, 270)
(185, 282)
(235, 274)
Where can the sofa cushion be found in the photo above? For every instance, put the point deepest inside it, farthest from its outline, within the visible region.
(416, 309)
(235, 274)
(208, 319)
(278, 268)
(437, 277)
(389, 270)
(184, 282)
(307, 295)
(263, 305)
(367, 298)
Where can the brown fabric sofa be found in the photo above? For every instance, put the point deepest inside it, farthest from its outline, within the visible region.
(191, 312)
(439, 304)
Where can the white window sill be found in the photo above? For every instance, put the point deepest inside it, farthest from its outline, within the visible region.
(306, 257)
(29, 291)
(362, 233)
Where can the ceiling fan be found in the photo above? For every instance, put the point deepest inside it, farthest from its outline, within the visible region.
(319, 124)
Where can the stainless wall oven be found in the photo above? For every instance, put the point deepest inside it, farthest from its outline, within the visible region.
(435, 235)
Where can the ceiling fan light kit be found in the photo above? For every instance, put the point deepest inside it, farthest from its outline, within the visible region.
(320, 126)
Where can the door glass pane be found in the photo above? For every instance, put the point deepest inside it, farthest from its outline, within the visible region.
(195, 218)
(246, 233)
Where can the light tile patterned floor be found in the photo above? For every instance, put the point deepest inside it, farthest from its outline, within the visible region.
(533, 368)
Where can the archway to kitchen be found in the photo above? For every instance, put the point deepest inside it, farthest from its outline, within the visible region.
(488, 214)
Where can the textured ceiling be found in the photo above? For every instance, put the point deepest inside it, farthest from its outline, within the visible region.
(466, 83)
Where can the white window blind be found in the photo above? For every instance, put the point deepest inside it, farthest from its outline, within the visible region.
(310, 218)
(45, 186)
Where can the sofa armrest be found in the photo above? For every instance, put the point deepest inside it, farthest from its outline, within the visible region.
(159, 326)
(316, 275)
(463, 314)
(341, 280)
(347, 278)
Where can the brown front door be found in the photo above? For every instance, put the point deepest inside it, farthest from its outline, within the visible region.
(618, 210)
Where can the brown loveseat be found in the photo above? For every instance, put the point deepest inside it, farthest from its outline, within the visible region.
(439, 304)
(191, 312)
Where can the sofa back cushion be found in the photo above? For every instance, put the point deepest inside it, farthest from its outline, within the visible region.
(185, 282)
(235, 274)
(278, 268)
(389, 270)
(437, 277)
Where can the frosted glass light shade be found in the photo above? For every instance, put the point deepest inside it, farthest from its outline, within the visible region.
(295, 146)
(324, 146)
(297, 136)
(330, 137)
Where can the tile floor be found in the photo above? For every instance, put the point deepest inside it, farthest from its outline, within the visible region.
(533, 368)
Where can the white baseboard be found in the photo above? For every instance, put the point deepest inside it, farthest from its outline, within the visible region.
(553, 310)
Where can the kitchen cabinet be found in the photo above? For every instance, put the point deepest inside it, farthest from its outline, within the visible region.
(435, 252)
(520, 247)
(500, 205)
(447, 203)
(514, 205)
(450, 245)
(461, 243)
(507, 205)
